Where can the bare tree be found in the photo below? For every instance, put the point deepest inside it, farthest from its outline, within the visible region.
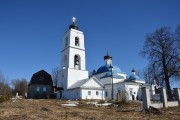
(150, 75)
(147, 75)
(55, 72)
(162, 50)
(20, 86)
(4, 87)
(2, 78)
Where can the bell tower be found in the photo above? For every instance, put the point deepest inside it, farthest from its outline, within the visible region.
(73, 50)
(73, 62)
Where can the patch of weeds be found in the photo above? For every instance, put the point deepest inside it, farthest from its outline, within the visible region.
(4, 98)
(101, 101)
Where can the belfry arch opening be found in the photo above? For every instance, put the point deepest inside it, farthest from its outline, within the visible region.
(76, 41)
(77, 62)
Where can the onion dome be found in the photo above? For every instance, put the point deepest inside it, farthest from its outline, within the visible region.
(73, 25)
(107, 57)
(133, 70)
(133, 76)
(105, 68)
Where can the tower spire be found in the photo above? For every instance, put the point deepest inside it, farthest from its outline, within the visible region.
(133, 70)
(108, 58)
(73, 20)
(73, 25)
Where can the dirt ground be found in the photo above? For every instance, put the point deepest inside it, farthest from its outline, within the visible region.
(29, 109)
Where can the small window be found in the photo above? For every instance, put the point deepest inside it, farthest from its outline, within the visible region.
(37, 88)
(89, 92)
(44, 89)
(76, 41)
(97, 93)
(106, 93)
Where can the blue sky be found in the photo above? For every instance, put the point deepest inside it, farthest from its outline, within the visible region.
(31, 31)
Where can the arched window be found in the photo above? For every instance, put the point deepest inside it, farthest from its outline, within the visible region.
(77, 62)
(76, 41)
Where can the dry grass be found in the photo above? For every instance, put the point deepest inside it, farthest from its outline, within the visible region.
(53, 110)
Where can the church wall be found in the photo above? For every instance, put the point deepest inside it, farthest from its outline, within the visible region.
(108, 80)
(81, 53)
(67, 34)
(65, 63)
(91, 83)
(135, 91)
(116, 88)
(62, 79)
(72, 94)
(80, 35)
(76, 75)
(69, 63)
(68, 77)
(92, 94)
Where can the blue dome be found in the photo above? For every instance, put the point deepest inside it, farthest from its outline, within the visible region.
(133, 77)
(115, 75)
(105, 68)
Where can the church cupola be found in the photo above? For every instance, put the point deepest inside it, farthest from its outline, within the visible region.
(133, 71)
(73, 25)
(108, 59)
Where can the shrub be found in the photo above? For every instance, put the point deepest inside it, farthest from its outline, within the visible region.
(101, 101)
(4, 98)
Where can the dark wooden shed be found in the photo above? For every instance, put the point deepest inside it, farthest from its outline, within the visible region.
(40, 85)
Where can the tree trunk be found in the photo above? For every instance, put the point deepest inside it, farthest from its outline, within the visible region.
(166, 77)
(169, 93)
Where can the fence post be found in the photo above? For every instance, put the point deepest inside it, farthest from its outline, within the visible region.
(163, 97)
(177, 94)
(145, 98)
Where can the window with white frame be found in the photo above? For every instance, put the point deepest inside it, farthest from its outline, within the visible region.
(37, 88)
(97, 92)
(89, 92)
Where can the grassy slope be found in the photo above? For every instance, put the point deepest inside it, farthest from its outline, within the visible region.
(53, 110)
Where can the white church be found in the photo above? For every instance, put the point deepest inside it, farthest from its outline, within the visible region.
(74, 81)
